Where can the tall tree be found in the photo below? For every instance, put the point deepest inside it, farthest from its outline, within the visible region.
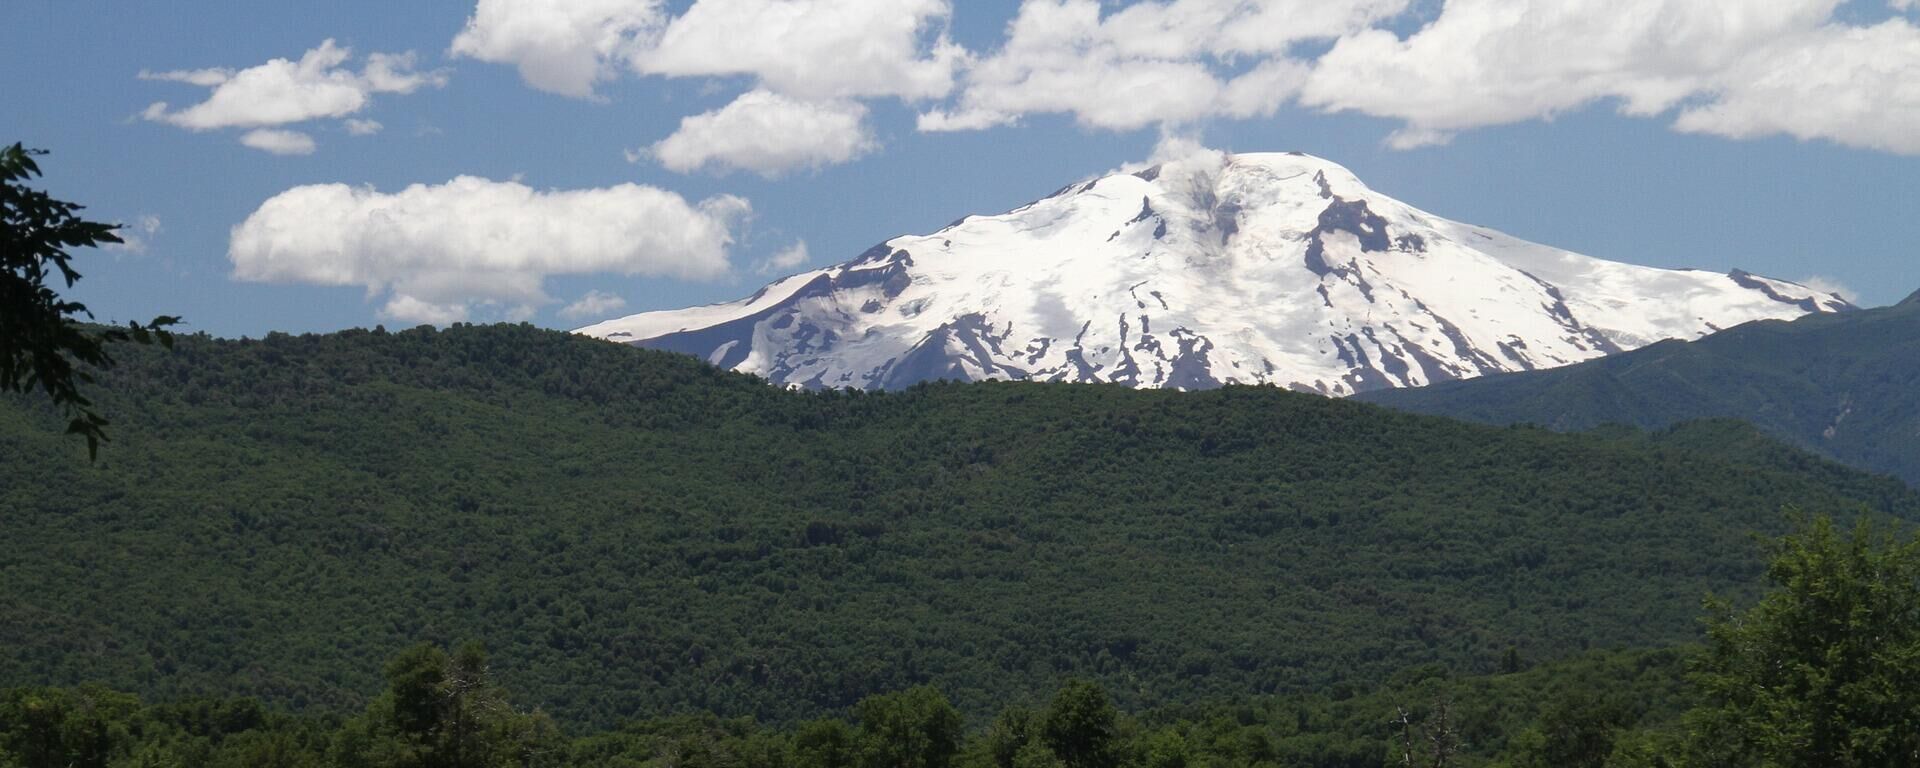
(42, 334)
(1081, 726)
(915, 728)
(85, 727)
(444, 711)
(1825, 670)
(1576, 730)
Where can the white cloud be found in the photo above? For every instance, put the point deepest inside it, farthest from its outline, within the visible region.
(810, 63)
(595, 304)
(1831, 285)
(768, 134)
(811, 48)
(1149, 63)
(788, 258)
(440, 252)
(136, 237)
(205, 78)
(278, 142)
(1264, 89)
(560, 46)
(281, 92)
(1739, 70)
(1487, 62)
(1183, 149)
(1853, 86)
(408, 309)
(394, 73)
(358, 127)
(816, 49)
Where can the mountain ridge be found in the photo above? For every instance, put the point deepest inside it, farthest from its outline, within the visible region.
(1215, 269)
(1839, 385)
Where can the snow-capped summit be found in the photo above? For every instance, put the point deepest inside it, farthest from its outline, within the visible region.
(1215, 269)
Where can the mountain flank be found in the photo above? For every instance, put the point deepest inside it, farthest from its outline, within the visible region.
(1839, 385)
(1217, 269)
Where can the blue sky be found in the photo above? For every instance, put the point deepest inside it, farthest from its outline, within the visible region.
(1774, 140)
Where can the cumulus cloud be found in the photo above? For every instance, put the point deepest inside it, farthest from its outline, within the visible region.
(1740, 70)
(1732, 69)
(1801, 68)
(1487, 62)
(788, 258)
(440, 252)
(811, 63)
(768, 134)
(1853, 86)
(358, 127)
(560, 46)
(408, 309)
(1149, 63)
(813, 48)
(278, 142)
(1183, 149)
(594, 304)
(280, 91)
(283, 92)
(1261, 91)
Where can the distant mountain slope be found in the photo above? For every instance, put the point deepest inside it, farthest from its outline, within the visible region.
(1847, 386)
(1254, 269)
(634, 533)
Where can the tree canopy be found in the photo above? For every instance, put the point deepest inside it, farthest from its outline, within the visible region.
(43, 335)
(632, 531)
(1825, 670)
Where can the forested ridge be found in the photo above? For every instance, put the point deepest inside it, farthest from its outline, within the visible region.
(634, 535)
(1837, 384)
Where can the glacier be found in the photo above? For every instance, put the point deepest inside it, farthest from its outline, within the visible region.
(1269, 268)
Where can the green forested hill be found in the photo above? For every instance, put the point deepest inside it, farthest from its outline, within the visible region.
(1847, 386)
(634, 534)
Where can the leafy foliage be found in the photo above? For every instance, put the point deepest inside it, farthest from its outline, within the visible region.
(95, 727)
(41, 336)
(635, 535)
(1079, 727)
(1819, 673)
(444, 711)
(1825, 670)
(1840, 385)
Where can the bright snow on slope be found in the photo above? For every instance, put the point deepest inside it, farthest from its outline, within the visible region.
(1215, 269)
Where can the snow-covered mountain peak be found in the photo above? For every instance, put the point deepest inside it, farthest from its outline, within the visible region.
(1206, 270)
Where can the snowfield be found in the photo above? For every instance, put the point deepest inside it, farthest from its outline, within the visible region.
(1276, 269)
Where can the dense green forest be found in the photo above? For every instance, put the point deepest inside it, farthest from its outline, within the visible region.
(633, 535)
(442, 709)
(1823, 671)
(1840, 385)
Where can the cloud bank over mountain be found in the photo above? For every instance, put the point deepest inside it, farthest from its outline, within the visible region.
(1738, 70)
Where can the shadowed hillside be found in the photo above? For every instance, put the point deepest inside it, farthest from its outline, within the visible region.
(1846, 385)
